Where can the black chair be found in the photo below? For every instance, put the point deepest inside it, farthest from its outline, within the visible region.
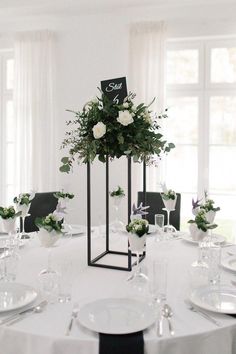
(154, 200)
(42, 205)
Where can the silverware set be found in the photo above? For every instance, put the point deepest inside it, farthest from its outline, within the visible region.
(16, 317)
(202, 313)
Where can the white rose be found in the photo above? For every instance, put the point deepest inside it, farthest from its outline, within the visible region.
(125, 118)
(99, 130)
(126, 105)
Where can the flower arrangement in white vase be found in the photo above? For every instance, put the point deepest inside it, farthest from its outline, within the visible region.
(200, 225)
(50, 230)
(169, 198)
(62, 206)
(23, 202)
(209, 208)
(137, 229)
(8, 216)
(117, 195)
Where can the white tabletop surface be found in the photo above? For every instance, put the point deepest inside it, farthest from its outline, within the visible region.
(44, 333)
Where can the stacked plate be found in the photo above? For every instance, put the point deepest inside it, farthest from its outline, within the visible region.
(14, 296)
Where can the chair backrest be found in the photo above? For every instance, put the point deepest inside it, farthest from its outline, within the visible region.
(154, 200)
(41, 205)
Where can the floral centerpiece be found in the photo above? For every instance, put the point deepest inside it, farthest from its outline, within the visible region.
(207, 205)
(50, 228)
(119, 192)
(62, 195)
(169, 197)
(138, 229)
(199, 226)
(8, 216)
(23, 201)
(104, 128)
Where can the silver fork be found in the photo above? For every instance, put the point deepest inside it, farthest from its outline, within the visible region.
(202, 313)
(74, 315)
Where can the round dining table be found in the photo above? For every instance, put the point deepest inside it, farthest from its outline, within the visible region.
(44, 332)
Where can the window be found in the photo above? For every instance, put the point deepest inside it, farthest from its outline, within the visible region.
(7, 128)
(201, 96)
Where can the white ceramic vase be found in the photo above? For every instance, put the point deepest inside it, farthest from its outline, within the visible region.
(137, 243)
(170, 204)
(9, 225)
(196, 233)
(48, 239)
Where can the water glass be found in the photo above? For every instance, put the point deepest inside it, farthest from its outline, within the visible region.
(214, 260)
(159, 220)
(49, 284)
(9, 265)
(158, 280)
(65, 281)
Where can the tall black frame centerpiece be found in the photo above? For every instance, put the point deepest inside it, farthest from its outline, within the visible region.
(95, 261)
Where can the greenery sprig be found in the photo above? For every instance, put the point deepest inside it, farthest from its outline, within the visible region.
(9, 213)
(104, 128)
(24, 198)
(170, 194)
(49, 223)
(201, 221)
(119, 192)
(63, 195)
(139, 227)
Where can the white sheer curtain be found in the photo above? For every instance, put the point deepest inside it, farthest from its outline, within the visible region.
(146, 79)
(34, 111)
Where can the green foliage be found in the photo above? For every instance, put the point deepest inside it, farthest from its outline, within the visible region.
(201, 221)
(7, 213)
(49, 223)
(119, 192)
(23, 199)
(139, 227)
(63, 195)
(136, 134)
(170, 194)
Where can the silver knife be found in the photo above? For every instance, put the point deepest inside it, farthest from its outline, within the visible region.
(21, 313)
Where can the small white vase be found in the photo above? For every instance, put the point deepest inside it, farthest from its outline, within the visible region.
(210, 216)
(170, 204)
(137, 243)
(9, 225)
(24, 209)
(48, 239)
(196, 233)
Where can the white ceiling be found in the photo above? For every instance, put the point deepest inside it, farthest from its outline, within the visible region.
(8, 7)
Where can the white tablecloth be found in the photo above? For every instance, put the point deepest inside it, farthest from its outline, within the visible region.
(44, 333)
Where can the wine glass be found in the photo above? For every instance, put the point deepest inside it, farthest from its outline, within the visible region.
(169, 207)
(137, 246)
(117, 225)
(24, 208)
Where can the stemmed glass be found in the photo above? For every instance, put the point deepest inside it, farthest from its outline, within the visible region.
(137, 246)
(169, 207)
(117, 224)
(24, 213)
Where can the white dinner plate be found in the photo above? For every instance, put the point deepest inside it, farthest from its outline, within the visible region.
(229, 263)
(220, 299)
(116, 316)
(217, 239)
(14, 296)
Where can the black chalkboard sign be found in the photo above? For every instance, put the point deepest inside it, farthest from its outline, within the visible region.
(115, 89)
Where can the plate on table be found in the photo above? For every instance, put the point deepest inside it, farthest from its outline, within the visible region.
(221, 298)
(229, 263)
(116, 316)
(14, 296)
(217, 239)
(77, 230)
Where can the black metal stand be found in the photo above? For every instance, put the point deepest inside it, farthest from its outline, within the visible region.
(94, 262)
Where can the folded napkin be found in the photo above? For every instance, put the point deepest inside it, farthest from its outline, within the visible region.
(121, 343)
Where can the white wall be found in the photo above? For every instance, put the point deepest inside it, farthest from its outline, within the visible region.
(91, 48)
